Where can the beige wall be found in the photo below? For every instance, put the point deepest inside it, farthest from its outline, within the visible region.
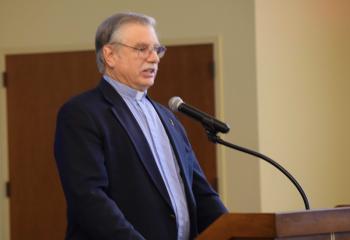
(37, 26)
(303, 76)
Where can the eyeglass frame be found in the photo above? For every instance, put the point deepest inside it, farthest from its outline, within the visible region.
(159, 49)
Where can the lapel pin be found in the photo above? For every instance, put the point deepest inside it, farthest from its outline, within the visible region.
(172, 123)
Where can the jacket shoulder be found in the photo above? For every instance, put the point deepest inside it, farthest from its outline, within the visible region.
(83, 101)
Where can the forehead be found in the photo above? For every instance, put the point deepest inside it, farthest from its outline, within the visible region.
(138, 33)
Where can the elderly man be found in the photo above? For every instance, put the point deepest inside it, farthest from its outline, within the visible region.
(127, 168)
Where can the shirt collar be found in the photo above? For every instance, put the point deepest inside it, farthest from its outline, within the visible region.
(124, 90)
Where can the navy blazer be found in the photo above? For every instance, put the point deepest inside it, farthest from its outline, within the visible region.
(111, 182)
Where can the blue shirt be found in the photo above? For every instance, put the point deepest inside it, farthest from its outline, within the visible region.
(158, 140)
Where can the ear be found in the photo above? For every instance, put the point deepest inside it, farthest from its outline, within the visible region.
(109, 55)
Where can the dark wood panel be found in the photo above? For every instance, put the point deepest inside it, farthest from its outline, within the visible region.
(38, 84)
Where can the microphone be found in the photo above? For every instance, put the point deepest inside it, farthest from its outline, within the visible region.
(209, 122)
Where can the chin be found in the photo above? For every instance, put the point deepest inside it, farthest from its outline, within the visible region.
(149, 83)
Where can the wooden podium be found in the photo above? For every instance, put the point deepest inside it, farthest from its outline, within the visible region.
(304, 225)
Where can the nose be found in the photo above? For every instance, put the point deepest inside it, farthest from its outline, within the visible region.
(153, 57)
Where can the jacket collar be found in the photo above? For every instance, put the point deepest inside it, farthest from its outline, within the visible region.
(129, 123)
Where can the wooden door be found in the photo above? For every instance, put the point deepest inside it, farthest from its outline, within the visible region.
(38, 84)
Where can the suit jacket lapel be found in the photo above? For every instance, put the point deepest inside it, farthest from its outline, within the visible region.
(176, 142)
(127, 120)
(181, 150)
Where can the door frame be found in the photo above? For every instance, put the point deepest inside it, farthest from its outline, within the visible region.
(4, 158)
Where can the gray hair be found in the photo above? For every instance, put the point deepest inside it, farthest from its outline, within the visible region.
(108, 29)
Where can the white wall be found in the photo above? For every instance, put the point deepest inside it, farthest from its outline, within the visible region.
(303, 76)
(38, 25)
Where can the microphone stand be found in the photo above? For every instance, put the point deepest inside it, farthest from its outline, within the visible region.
(212, 135)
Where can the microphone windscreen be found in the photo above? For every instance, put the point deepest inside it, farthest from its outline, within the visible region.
(174, 103)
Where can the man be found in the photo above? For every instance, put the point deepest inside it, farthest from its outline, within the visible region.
(126, 166)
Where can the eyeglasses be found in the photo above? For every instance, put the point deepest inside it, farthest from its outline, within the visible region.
(145, 51)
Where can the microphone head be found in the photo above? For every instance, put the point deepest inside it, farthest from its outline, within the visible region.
(174, 103)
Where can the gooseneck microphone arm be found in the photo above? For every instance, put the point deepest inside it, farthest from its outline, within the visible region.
(216, 139)
(213, 127)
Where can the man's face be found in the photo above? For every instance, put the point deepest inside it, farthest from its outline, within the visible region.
(128, 65)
